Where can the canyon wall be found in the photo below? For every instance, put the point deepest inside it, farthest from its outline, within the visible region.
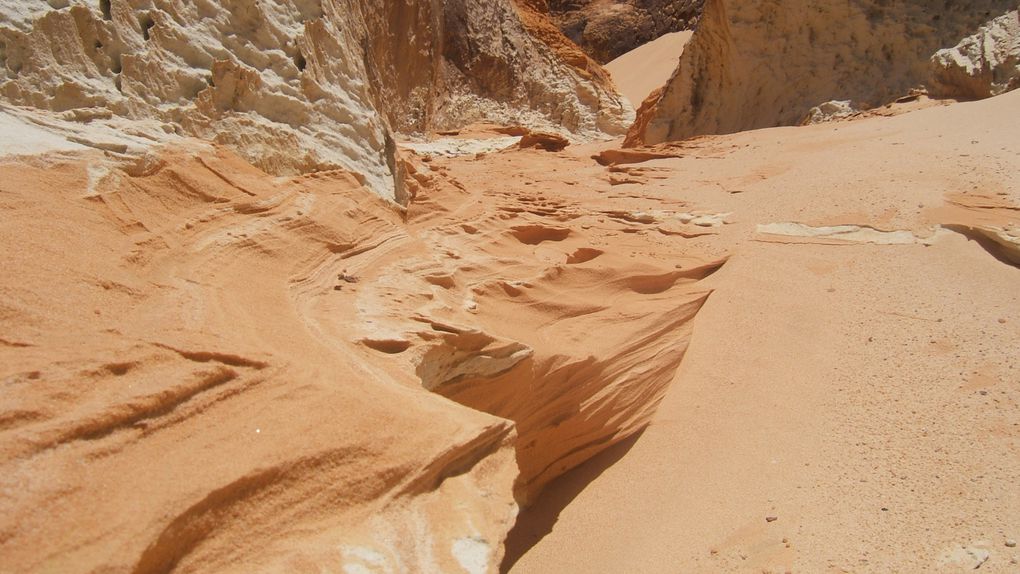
(606, 30)
(760, 64)
(299, 85)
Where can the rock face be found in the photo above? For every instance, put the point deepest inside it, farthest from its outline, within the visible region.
(607, 29)
(736, 72)
(980, 66)
(300, 85)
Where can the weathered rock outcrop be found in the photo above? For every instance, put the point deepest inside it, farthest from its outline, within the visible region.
(980, 66)
(301, 85)
(758, 64)
(606, 30)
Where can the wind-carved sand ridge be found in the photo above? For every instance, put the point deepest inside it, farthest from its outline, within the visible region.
(174, 358)
(235, 347)
(508, 306)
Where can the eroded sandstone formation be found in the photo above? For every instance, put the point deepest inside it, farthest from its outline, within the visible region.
(606, 30)
(982, 65)
(301, 85)
(224, 379)
(760, 64)
(171, 401)
(244, 372)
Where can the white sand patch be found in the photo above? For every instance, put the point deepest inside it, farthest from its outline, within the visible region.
(96, 173)
(361, 560)
(453, 147)
(23, 138)
(970, 557)
(473, 554)
(851, 233)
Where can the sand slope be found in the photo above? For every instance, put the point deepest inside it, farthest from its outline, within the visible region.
(866, 395)
(170, 403)
(642, 70)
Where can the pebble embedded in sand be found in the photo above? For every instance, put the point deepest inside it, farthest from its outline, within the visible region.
(1011, 543)
(771, 518)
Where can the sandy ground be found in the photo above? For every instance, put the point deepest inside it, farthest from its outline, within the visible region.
(865, 396)
(639, 72)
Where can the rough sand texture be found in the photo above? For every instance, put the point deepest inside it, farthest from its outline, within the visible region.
(639, 72)
(207, 368)
(171, 400)
(867, 396)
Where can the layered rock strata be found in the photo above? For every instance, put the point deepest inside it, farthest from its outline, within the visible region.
(170, 404)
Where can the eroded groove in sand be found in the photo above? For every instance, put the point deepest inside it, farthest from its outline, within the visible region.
(201, 443)
(525, 320)
(996, 241)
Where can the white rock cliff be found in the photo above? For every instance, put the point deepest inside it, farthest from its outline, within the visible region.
(297, 86)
